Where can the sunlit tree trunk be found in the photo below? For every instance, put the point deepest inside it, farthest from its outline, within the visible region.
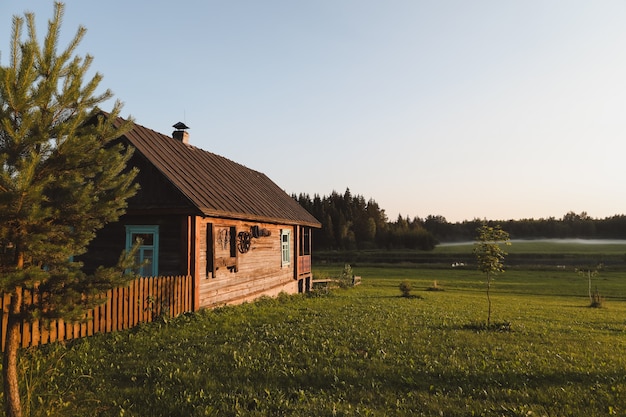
(12, 403)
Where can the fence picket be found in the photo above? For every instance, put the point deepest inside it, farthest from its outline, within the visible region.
(125, 307)
(52, 332)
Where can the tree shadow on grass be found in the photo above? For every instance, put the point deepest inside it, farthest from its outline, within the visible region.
(411, 296)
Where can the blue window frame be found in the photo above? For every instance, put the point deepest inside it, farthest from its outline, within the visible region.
(148, 253)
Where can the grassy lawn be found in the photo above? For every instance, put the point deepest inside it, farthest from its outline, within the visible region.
(364, 351)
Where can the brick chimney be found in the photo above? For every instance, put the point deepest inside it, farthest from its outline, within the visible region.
(181, 133)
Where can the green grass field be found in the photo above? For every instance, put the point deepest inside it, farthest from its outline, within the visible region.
(530, 253)
(364, 351)
(546, 247)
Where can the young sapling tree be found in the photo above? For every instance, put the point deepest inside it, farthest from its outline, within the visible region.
(594, 298)
(490, 255)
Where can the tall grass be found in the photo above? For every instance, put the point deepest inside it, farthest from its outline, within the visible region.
(365, 351)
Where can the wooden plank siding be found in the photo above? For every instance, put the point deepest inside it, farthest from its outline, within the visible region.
(244, 276)
(304, 265)
(205, 248)
(143, 300)
(110, 241)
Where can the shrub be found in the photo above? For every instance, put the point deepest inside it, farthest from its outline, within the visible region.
(347, 277)
(405, 288)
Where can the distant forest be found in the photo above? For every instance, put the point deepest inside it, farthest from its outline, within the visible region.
(351, 222)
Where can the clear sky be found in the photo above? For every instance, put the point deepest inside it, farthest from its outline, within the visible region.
(465, 109)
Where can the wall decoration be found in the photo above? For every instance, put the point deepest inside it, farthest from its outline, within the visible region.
(243, 241)
(223, 238)
(257, 232)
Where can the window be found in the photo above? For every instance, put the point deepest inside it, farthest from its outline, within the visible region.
(148, 253)
(305, 245)
(285, 245)
(233, 241)
(210, 252)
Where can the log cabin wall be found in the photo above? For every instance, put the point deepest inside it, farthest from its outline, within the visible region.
(110, 241)
(228, 276)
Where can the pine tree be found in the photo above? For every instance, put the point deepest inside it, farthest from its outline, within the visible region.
(61, 179)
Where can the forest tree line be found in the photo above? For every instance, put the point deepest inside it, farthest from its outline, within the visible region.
(351, 222)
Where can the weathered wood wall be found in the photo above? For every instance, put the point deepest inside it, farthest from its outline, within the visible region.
(205, 248)
(142, 301)
(110, 241)
(247, 275)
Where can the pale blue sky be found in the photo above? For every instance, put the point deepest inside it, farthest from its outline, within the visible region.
(465, 109)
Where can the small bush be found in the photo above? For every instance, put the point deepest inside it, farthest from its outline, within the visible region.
(347, 277)
(405, 288)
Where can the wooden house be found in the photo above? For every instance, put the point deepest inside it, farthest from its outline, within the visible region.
(232, 229)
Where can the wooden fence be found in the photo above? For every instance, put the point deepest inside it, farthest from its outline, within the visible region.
(142, 301)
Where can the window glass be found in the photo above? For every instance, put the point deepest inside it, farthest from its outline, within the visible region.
(147, 257)
(285, 241)
(146, 238)
(306, 240)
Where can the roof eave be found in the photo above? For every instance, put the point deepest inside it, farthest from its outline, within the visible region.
(257, 218)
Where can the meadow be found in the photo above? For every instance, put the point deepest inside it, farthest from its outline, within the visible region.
(362, 351)
(529, 253)
(549, 246)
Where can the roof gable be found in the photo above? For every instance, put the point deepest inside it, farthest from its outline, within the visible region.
(217, 186)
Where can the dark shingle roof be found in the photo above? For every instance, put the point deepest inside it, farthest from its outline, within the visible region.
(217, 186)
